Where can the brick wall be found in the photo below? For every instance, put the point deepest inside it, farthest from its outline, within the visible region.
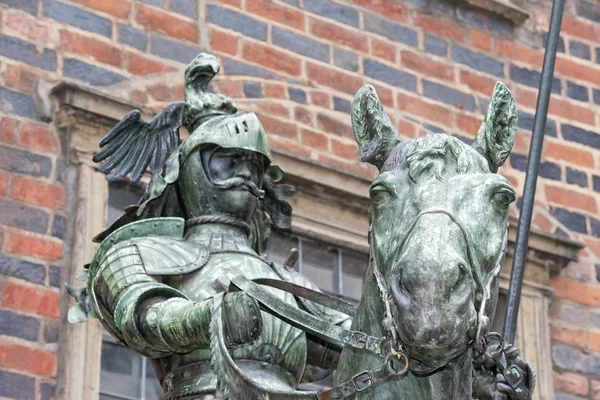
(298, 64)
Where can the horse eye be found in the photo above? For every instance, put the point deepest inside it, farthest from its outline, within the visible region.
(503, 198)
(379, 195)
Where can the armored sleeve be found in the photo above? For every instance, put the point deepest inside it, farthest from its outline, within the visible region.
(139, 309)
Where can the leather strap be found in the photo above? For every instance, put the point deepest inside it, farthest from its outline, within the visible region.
(311, 295)
(308, 322)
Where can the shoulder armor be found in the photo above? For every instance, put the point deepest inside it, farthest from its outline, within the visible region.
(168, 256)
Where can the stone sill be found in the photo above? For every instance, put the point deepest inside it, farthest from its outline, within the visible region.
(504, 8)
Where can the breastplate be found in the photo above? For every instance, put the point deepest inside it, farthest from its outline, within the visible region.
(277, 358)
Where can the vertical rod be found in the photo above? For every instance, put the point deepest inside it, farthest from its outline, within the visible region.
(535, 152)
(300, 256)
(143, 380)
(337, 271)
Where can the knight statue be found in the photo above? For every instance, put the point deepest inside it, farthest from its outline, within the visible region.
(181, 278)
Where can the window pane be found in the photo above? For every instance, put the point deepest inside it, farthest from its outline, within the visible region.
(121, 370)
(152, 386)
(279, 247)
(353, 271)
(317, 263)
(498, 322)
(119, 197)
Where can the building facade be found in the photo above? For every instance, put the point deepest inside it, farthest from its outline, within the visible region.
(70, 69)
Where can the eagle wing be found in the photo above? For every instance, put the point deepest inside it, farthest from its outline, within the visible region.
(134, 144)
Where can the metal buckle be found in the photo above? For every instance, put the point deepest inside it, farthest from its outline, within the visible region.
(362, 381)
(360, 338)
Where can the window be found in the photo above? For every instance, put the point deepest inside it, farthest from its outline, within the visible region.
(335, 270)
(124, 374)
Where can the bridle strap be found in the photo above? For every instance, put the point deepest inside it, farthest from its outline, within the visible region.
(388, 321)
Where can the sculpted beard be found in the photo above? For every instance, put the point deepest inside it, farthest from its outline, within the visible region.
(237, 182)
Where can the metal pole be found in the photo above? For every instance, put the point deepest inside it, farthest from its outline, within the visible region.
(535, 152)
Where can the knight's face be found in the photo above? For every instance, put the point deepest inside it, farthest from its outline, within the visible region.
(222, 181)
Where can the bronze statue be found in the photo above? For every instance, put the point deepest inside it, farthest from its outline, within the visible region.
(180, 277)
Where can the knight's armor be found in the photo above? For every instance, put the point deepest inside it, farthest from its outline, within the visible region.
(154, 277)
(149, 290)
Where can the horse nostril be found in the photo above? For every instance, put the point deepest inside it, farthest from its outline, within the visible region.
(461, 277)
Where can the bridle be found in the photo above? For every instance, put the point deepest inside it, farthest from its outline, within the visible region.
(483, 287)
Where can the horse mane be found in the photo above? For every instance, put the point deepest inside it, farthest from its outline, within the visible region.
(431, 153)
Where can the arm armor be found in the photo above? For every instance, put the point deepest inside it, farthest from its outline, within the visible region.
(149, 316)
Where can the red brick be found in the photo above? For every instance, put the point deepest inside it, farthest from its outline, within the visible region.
(235, 3)
(579, 28)
(100, 51)
(571, 383)
(290, 147)
(274, 126)
(159, 21)
(389, 9)
(271, 58)
(273, 108)
(45, 249)
(314, 140)
(3, 185)
(468, 124)
(223, 42)
(573, 337)
(344, 150)
(562, 151)
(303, 115)
(576, 70)
(233, 89)
(28, 359)
(27, 26)
(320, 99)
(442, 27)
(592, 244)
(430, 111)
(386, 96)
(480, 40)
(333, 78)
(595, 389)
(7, 130)
(32, 300)
(118, 8)
(405, 128)
(426, 65)
(161, 92)
(139, 96)
(524, 97)
(518, 52)
(384, 50)
(540, 220)
(21, 77)
(334, 126)
(274, 90)
(139, 65)
(571, 198)
(575, 291)
(38, 193)
(275, 12)
(572, 111)
(38, 138)
(595, 341)
(477, 82)
(346, 37)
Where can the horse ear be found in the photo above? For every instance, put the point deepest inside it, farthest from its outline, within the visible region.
(496, 135)
(375, 135)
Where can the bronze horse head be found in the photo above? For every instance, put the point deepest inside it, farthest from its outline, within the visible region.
(438, 233)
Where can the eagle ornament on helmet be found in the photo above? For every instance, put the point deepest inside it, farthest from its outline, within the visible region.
(133, 145)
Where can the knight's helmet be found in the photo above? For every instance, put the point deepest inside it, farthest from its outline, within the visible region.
(211, 119)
